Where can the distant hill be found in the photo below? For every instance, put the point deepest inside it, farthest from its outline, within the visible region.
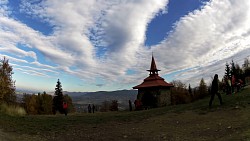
(122, 96)
(97, 98)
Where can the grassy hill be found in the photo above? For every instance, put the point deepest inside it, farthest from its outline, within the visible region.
(193, 121)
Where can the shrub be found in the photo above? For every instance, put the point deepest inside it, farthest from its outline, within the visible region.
(38, 104)
(105, 107)
(109, 106)
(114, 105)
(12, 110)
(180, 96)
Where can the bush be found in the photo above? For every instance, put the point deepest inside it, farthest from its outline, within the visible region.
(114, 105)
(12, 110)
(105, 107)
(109, 106)
(180, 96)
(37, 104)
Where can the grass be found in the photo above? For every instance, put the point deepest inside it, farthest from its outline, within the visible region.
(192, 121)
(12, 110)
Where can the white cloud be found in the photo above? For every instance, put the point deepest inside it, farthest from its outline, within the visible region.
(204, 37)
(37, 69)
(103, 39)
(3, 7)
(120, 25)
(32, 72)
(13, 59)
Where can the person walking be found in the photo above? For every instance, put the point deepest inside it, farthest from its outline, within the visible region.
(93, 108)
(89, 109)
(65, 108)
(214, 90)
(130, 105)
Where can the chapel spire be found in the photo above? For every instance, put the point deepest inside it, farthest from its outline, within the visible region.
(153, 68)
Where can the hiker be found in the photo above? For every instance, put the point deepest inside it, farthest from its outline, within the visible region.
(130, 105)
(233, 84)
(214, 90)
(93, 108)
(138, 104)
(89, 109)
(65, 108)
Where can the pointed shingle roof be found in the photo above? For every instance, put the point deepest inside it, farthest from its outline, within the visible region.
(153, 80)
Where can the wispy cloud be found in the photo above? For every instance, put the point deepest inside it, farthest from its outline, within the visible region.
(204, 37)
(32, 72)
(105, 39)
(13, 59)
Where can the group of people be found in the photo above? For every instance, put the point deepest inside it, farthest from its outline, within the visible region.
(91, 109)
(230, 87)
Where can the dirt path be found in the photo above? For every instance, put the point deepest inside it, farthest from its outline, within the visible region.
(17, 137)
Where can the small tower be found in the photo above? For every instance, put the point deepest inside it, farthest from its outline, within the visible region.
(154, 91)
(153, 69)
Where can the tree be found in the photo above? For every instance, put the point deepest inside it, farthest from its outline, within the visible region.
(233, 69)
(203, 88)
(189, 89)
(246, 67)
(227, 71)
(190, 93)
(178, 84)
(246, 63)
(47, 103)
(179, 93)
(38, 104)
(7, 85)
(58, 98)
(30, 104)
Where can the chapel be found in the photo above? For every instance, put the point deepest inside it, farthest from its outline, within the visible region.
(154, 91)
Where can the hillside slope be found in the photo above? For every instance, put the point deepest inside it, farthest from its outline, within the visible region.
(192, 121)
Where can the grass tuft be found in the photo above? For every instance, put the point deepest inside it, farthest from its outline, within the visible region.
(12, 110)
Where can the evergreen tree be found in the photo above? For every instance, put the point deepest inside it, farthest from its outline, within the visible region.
(7, 85)
(190, 93)
(227, 71)
(238, 72)
(189, 89)
(246, 67)
(246, 63)
(58, 98)
(203, 88)
(233, 69)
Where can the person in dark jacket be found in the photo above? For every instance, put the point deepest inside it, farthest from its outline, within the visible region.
(93, 108)
(214, 90)
(130, 105)
(89, 108)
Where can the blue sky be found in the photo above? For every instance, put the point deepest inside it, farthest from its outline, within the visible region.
(107, 45)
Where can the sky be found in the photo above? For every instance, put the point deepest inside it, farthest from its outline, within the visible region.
(101, 45)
